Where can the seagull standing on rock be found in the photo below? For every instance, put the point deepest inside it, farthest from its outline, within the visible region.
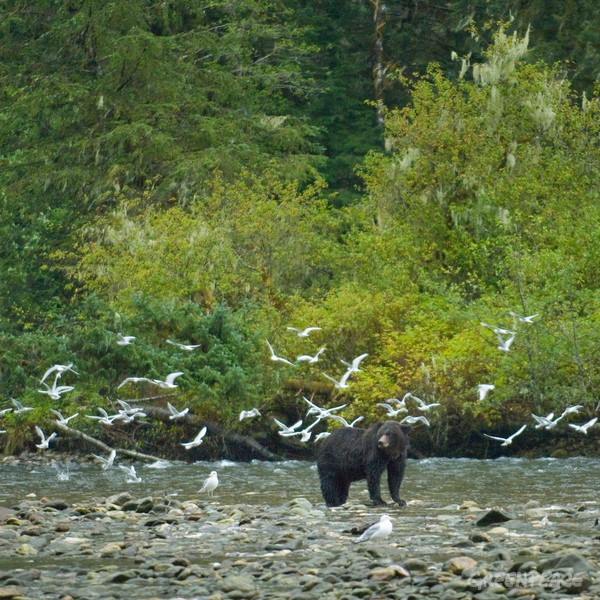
(377, 531)
(210, 483)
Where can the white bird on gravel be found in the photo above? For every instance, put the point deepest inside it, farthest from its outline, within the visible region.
(584, 428)
(132, 476)
(124, 340)
(188, 347)
(249, 414)
(276, 358)
(377, 531)
(507, 441)
(196, 441)
(107, 463)
(45, 441)
(210, 483)
(176, 414)
(304, 332)
(63, 420)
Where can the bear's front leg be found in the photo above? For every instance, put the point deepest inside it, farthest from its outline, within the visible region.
(374, 484)
(395, 476)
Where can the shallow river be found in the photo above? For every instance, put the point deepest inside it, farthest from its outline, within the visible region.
(436, 481)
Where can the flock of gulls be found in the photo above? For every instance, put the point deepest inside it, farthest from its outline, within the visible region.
(393, 407)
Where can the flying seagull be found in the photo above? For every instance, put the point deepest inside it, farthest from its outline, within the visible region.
(59, 369)
(507, 441)
(103, 417)
(210, 483)
(176, 414)
(63, 420)
(124, 340)
(55, 391)
(107, 463)
(274, 357)
(249, 414)
(196, 441)
(484, 388)
(132, 476)
(19, 408)
(342, 383)
(390, 410)
(528, 319)
(377, 531)
(310, 359)
(45, 441)
(169, 382)
(188, 347)
(584, 428)
(353, 367)
(304, 332)
(410, 420)
(285, 430)
(134, 380)
(504, 344)
(422, 405)
(546, 422)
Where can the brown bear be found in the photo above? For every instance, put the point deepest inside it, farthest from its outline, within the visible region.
(351, 453)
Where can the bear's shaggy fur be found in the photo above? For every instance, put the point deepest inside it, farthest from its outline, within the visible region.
(350, 454)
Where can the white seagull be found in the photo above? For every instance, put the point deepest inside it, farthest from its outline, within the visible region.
(196, 441)
(304, 332)
(322, 413)
(528, 319)
(107, 463)
(310, 359)
(546, 421)
(410, 420)
(344, 422)
(285, 430)
(210, 483)
(176, 414)
(422, 405)
(390, 410)
(134, 380)
(124, 340)
(132, 476)
(59, 369)
(169, 382)
(504, 344)
(584, 428)
(188, 347)
(45, 441)
(249, 414)
(507, 441)
(103, 417)
(322, 435)
(378, 531)
(62, 420)
(274, 356)
(498, 330)
(4, 411)
(342, 383)
(353, 368)
(19, 408)
(55, 391)
(484, 388)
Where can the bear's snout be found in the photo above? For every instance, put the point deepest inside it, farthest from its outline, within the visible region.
(383, 442)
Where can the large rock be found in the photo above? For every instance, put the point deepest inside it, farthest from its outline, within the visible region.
(493, 516)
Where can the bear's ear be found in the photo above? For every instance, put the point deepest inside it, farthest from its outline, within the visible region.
(406, 429)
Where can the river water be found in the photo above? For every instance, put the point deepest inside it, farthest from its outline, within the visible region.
(434, 481)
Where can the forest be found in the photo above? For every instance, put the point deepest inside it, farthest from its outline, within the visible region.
(393, 172)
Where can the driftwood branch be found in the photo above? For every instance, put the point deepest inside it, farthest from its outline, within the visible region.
(75, 433)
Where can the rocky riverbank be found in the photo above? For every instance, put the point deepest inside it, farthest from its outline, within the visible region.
(128, 547)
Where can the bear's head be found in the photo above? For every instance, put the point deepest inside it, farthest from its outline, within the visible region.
(392, 438)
